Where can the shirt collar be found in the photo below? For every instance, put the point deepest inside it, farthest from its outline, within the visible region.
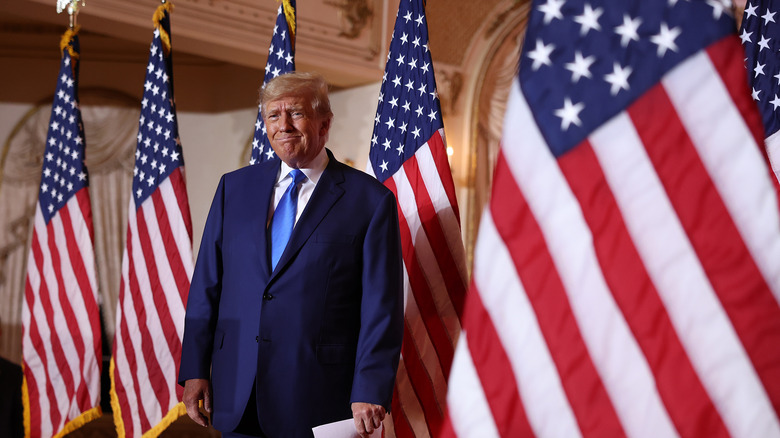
(313, 171)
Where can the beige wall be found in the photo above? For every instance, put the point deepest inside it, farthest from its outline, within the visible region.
(353, 123)
(212, 144)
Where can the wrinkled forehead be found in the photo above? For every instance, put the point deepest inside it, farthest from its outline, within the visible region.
(297, 100)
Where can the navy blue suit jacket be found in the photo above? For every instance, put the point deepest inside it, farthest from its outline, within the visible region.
(322, 330)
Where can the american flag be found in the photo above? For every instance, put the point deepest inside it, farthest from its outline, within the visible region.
(760, 35)
(626, 279)
(408, 154)
(157, 262)
(60, 317)
(281, 60)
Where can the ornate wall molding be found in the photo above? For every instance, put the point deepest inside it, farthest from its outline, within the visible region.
(346, 39)
(449, 84)
(354, 15)
(492, 64)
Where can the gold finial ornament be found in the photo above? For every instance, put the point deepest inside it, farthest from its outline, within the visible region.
(72, 6)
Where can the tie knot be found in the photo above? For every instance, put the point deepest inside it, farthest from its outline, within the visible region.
(297, 176)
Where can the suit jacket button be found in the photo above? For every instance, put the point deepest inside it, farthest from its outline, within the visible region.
(268, 297)
(257, 338)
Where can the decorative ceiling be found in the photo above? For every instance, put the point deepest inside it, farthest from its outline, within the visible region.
(227, 40)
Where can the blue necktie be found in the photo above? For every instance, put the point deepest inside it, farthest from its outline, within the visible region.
(283, 220)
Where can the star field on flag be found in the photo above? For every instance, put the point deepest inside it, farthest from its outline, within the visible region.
(64, 172)
(159, 148)
(409, 111)
(618, 57)
(281, 60)
(760, 36)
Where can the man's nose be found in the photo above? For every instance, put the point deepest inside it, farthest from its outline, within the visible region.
(285, 122)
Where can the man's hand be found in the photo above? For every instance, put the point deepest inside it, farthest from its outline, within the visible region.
(196, 390)
(367, 417)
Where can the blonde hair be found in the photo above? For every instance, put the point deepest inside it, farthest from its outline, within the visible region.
(311, 85)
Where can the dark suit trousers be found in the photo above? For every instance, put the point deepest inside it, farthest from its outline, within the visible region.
(249, 426)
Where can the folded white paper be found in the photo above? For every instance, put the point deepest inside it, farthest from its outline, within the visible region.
(342, 429)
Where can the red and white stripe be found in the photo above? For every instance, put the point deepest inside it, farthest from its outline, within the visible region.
(156, 271)
(631, 286)
(61, 320)
(435, 286)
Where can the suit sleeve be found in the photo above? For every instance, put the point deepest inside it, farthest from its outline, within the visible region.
(382, 312)
(203, 301)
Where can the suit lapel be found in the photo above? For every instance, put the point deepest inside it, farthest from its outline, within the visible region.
(264, 181)
(325, 195)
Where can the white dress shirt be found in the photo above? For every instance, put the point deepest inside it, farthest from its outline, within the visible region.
(283, 180)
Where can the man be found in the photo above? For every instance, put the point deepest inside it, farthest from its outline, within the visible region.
(281, 336)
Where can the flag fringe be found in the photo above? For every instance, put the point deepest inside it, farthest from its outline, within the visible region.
(81, 420)
(26, 403)
(66, 42)
(177, 411)
(70, 426)
(159, 14)
(117, 410)
(172, 415)
(289, 13)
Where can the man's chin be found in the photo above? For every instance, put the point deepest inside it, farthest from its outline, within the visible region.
(287, 146)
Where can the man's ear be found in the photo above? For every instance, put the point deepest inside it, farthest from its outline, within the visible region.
(325, 126)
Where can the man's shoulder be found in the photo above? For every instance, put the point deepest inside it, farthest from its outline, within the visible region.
(251, 171)
(359, 178)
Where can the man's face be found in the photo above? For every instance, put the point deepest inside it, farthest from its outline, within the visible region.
(297, 134)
